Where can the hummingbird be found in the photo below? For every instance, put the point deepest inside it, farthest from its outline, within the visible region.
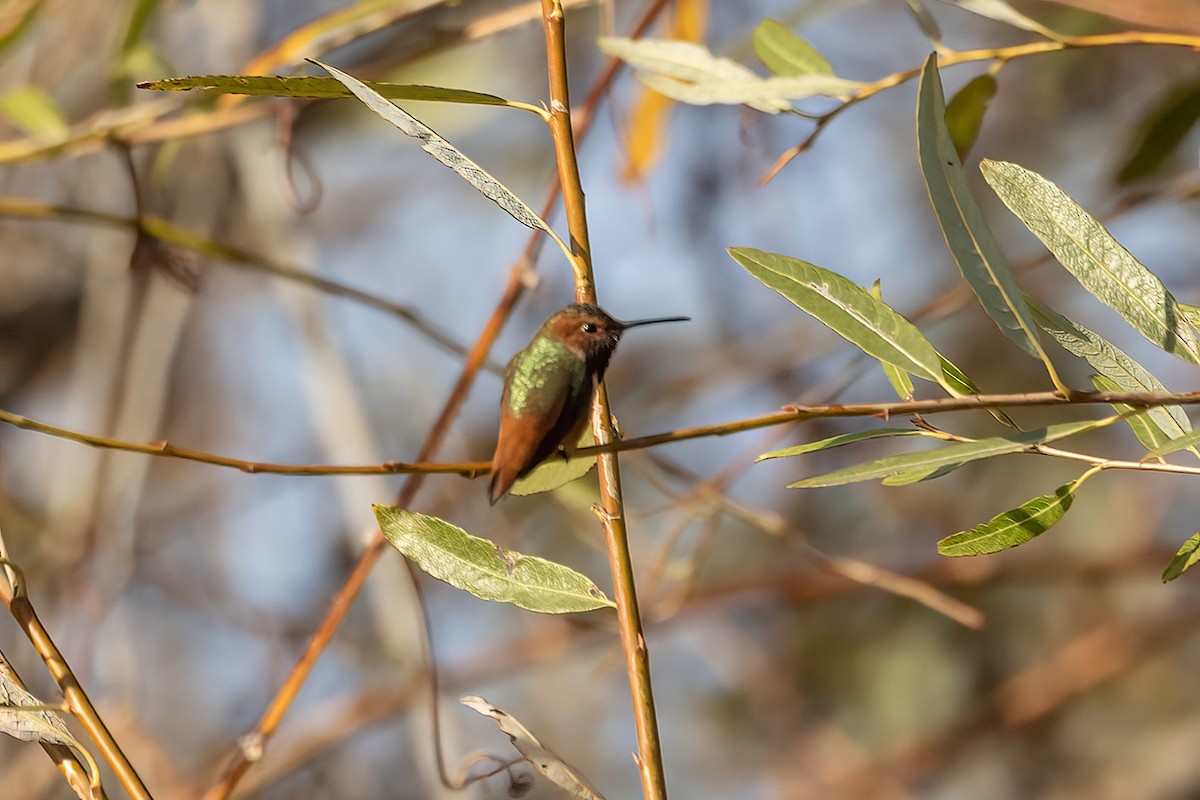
(548, 389)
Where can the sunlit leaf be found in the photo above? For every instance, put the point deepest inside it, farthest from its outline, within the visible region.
(1144, 426)
(317, 87)
(1125, 374)
(967, 234)
(925, 20)
(847, 309)
(950, 455)
(485, 569)
(785, 53)
(964, 112)
(841, 440)
(1012, 527)
(1164, 128)
(1183, 560)
(537, 754)
(1094, 257)
(1001, 11)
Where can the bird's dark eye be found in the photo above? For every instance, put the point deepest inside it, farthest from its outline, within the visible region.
(589, 327)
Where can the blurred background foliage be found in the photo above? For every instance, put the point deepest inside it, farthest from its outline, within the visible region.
(182, 593)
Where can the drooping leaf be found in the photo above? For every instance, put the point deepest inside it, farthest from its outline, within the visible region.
(1094, 257)
(444, 152)
(847, 309)
(1144, 426)
(1125, 374)
(537, 754)
(925, 20)
(785, 53)
(964, 112)
(841, 440)
(1163, 129)
(317, 87)
(555, 472)
(1013, 527)
(1001, 11)
(967, 234)
(951, 455)
(900, 380)
(688, 72)
(1183, 560)
(485, 569)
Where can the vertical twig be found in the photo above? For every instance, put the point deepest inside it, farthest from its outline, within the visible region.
(611, 509)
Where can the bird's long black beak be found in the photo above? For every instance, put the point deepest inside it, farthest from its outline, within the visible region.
(634, 323)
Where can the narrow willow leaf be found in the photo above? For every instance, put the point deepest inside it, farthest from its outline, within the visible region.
(485, 569)
(772, 95)
(964, 112)
(687, 63)
(555, 471)
(785, 53)
(23, 716)
(840, 440)
(1094, 257)
(968, 237)
(318, 87)
(951, 455)
(1187, 556)
(925, 20)
(1144, 427)
(1164, 128)
(900, 380)
(847, 309)
(1012, 527)
(1000, 11)
(918, 475)
(1112, 363)
(537, 754)
(443, 151)
(1186, 442)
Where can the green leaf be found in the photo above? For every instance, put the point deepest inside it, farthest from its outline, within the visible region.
(313, 86)
(555, 472)
(1012, 527)
(33, 111)
(847, 309)
(1000, 11)
(1144, 427)
(1186, 442)
(918, 475)
(1188, 555)
(925, 20)
(1162, 131)
(968, 237)
(485, 569)
(785, 53)
(951, 455)
(1094, 257)
(445, 152)
(964, 112)
(900, 380)
(960, 385)
(1125, 374)
(840, 440)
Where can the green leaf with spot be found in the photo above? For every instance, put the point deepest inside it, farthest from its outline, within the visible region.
(1012, 527)
(1094, 257)
(485, 569)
